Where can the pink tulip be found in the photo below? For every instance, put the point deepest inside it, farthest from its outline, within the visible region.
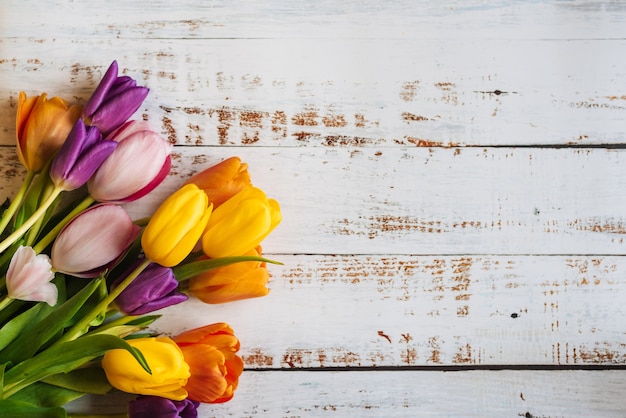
(29, 276)
(93, 241)
(139, 164)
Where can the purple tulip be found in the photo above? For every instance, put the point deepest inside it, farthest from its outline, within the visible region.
(81, 154)
(93, 241)
(114, 101)
(157, 407)
(153, 289)
(139, 164)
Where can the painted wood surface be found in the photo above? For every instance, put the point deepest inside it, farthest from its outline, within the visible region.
(450, 174)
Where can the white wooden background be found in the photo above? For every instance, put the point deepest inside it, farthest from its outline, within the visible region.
(451, 176)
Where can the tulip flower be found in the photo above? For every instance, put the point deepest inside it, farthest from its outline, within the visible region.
(215, 368)
(42, 125)
(93, 241)
(139, 163)
(169, 369)
(154, 288)
(176, 226)
(79, 157)
(237, 281)
(156, 407)
(114, 101)
(29, 276)
(222, 181)
(240, 223)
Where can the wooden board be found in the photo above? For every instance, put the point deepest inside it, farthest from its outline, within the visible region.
(450, 175)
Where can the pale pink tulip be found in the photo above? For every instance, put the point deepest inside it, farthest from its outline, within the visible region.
(93, 241)
(29, 276)
(139, 163)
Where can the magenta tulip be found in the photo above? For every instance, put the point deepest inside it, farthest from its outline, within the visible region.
(79, 157)
(139, 164)
(114, 101)
(93, 241)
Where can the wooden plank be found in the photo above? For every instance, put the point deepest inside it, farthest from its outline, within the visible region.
(362, 92)
(422, 200)
(394, 311)
(370, 19)
(480, 394)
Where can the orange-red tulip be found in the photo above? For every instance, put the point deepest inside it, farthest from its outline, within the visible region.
(42, 125)
(237, 281)
(222, 181)
(215, 368)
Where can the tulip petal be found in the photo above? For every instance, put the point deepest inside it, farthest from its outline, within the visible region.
(115, 111)
(101, 91)
(28, 277)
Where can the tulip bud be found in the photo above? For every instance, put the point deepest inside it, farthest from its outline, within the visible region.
(79, 157)
(42, 126)
(233, 282)
(240, 223)
(114, 101)
(169, 369)
(139, 163)
(215, 368)
(176, 226)
(93, 241)
(154, 288)
(222, 181)
(157, 407)
(29, 276)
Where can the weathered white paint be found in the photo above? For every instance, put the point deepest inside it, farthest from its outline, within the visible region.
(424, 223)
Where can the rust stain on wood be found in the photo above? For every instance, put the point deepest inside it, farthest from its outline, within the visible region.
(308, 118)
(603, 225)
(409, 90)
(334, 121)
(385, 336)
(257, 358)
(411, 117)
(463, 355)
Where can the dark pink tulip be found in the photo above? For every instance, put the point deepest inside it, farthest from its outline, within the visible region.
(114, 101)
(153, 289)
(93, 241)
(80, 156)
(139, 164)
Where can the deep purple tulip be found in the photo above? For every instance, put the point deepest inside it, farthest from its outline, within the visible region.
(154, 289)
(157, 407)
(114, 101)
(81, 154)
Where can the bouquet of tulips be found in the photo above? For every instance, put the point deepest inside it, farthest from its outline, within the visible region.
(80, 280)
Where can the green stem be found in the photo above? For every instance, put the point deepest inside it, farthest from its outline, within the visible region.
(50, 236)
(97, 416)
(78, 329)
(17, 201)
(30, 221)
(6, 301)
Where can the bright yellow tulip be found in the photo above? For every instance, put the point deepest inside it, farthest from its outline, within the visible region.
(240, 223)
(176, 226)
(169, 375)
(42, 126)
(222, 181)
(237, 281)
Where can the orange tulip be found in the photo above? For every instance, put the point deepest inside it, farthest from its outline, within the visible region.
(237, 281)
(222, 181)
(42, 126)
(215, 368)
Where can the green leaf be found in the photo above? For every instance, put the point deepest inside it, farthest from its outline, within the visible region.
(28, 343)
(14, 327)
(45, 395)
(63, 358)
(17, 409)
(86, 380)
(187, 271)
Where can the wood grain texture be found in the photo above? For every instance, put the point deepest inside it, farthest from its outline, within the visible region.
(450, 175)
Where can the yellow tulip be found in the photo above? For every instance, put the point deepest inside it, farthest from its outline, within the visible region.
(240, 223)
(237, 281)
(222, 181)
(169, 375)
(42, 126)
(176, 226)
